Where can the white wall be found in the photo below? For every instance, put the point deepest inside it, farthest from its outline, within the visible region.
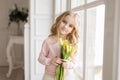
(5, 5)
(110, 41)
(117, 39)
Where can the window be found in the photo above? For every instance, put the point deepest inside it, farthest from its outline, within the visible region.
(91, 37)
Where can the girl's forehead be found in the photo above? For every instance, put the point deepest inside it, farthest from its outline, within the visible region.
(70, 19)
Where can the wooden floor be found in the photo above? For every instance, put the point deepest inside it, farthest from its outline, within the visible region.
(17, 74)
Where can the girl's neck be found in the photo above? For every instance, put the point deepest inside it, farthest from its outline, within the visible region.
(61, 36)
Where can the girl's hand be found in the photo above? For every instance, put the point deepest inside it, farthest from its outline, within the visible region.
(56, 61)
(65, 63)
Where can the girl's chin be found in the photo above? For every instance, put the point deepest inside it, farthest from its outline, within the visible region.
(63, 33)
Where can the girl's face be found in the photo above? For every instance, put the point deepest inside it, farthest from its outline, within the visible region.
(66, 26)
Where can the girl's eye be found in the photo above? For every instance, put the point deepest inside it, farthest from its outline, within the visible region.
(64, 21)
(70, 26)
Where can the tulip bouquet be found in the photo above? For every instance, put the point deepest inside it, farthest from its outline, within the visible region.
(66, 51)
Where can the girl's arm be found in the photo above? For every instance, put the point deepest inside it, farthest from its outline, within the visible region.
(43, 59)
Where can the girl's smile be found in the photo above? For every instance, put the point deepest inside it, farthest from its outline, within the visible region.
(66, 25)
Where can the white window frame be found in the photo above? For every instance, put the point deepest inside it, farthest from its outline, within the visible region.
(85, 7)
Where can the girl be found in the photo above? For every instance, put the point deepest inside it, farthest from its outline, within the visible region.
(66, 28)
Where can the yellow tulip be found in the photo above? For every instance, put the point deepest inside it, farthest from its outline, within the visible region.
(66, 51)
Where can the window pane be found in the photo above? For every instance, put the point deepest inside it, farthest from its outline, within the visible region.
(76, 3)
(80, 45)
(94, 43)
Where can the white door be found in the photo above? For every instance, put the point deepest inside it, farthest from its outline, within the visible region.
(41, 17)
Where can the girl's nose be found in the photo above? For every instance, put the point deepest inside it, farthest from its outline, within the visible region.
(66, 28)
(66, 25)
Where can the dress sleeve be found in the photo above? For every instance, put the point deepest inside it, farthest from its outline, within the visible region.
(43, 57)
(73, 62)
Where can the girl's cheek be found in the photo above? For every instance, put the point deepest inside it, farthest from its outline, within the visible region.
(62, 24)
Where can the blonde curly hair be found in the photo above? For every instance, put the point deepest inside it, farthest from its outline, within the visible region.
(73, 36)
